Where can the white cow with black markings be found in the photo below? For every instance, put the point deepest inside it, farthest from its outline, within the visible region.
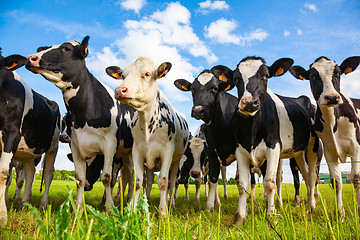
(160, 133)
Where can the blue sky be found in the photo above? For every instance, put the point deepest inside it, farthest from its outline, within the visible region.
(192, 35)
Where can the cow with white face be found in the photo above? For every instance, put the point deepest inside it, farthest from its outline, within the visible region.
(160, 133)
(99, 124)
(337, 118)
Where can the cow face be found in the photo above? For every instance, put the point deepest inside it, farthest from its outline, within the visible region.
(60, 64)
(250, 78)
(197, 147)
(9, 64)
(139, 81)
(205, 90)
(324, 76)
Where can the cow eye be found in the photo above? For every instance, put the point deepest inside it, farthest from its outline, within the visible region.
(148, 74)
(67, 49)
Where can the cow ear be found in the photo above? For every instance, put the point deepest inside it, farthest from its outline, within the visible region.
(84, 47)
(280, 67)
(13, 62)
(162, 70)
(226, 86)
(349, 64)
(299, 72)
(42, 49)
(182, 84)
(223, 73)
(114, 71)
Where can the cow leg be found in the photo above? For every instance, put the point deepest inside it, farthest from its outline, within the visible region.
(5, 160)
(217, 198)
(355, 179)
(176, 190)
(186, 186)
(270, 179)
(296, 179)
(198, 185)
(163, 180)
(8, 182)
(173, 175)
(252, 182)
(20, 179)
(205, 184)
(279, 179)
(312, 176)
(335, 175)
(242, 182)
(80, 175)
(214, 171)
(129, 168)
(223, 176)
(139, 174)
(29, 168)
(149, 181)
(48, 171)
(107, 173)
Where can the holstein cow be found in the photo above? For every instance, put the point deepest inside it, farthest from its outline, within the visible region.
(337, 118)
(265, 127)
(99, 124)
(160, 133)
(29, 127)
(268, 127)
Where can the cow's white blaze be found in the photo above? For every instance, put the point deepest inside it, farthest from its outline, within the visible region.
(325, 69)
(248, 69)
(205, 78)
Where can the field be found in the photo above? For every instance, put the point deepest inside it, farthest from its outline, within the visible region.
(189, 220)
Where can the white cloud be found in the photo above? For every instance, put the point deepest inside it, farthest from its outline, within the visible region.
(286, 33)
(221, 31)
(209, 5)
(135, 5)
(311, 7)
(350, 84)
(299, 32)
(160, 37)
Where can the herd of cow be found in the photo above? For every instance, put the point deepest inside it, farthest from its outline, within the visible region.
(136, 128)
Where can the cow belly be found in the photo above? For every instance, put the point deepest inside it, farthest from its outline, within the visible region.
(23, 151)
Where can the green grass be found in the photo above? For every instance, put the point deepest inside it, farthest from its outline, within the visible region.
(189, 220)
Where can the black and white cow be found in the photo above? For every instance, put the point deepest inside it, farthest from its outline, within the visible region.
(337, 118)
(160, 133)
(99, 124)
(29, 127)
(259, 126)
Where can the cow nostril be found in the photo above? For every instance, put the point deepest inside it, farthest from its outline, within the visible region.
(34, 58)
(124, 90)
(256, 103)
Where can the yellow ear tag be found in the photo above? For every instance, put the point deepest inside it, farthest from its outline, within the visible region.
(185, 88)
(301, 77)
(279, 71)
(227, 88)
(116, 75)
(12, 66)
(348, 70)
(223, 78)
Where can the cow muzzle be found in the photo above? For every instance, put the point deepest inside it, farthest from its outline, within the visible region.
(249, 105)
(64, 138)
(332, 99)
(197, 112)
(195, 174)
(121, 93)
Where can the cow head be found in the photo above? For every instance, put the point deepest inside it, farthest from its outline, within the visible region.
(198, 149)
(9, 64)
(205, 90)
(324, 76)
(250, 78)
(60, 63)
(139, 81)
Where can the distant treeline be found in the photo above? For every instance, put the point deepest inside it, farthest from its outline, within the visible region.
(64, 175)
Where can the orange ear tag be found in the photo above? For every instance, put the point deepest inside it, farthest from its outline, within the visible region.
(12, 66)
(227, 88)
(279, 71)
(116, 75)
(348, 70)
(185, 88)
(223, 78)
(302, 77)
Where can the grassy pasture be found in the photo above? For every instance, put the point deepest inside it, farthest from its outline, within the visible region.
(189, 220)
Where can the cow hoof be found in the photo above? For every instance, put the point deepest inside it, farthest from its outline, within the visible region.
(196, 200)
(186, 197)
(317, 195)
(226, 197)
(239, 219)
(218, 203)
(296, 202)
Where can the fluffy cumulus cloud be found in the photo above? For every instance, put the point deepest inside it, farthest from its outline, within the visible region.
(134, 5)
(311, 7)
(299, 32)
(286, 33)
(350, 84)
(222, 32)
(163, 36)
(208, 5)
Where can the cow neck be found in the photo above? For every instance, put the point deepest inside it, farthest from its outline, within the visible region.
(146, 114)
(328, 120)
(90, 101)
